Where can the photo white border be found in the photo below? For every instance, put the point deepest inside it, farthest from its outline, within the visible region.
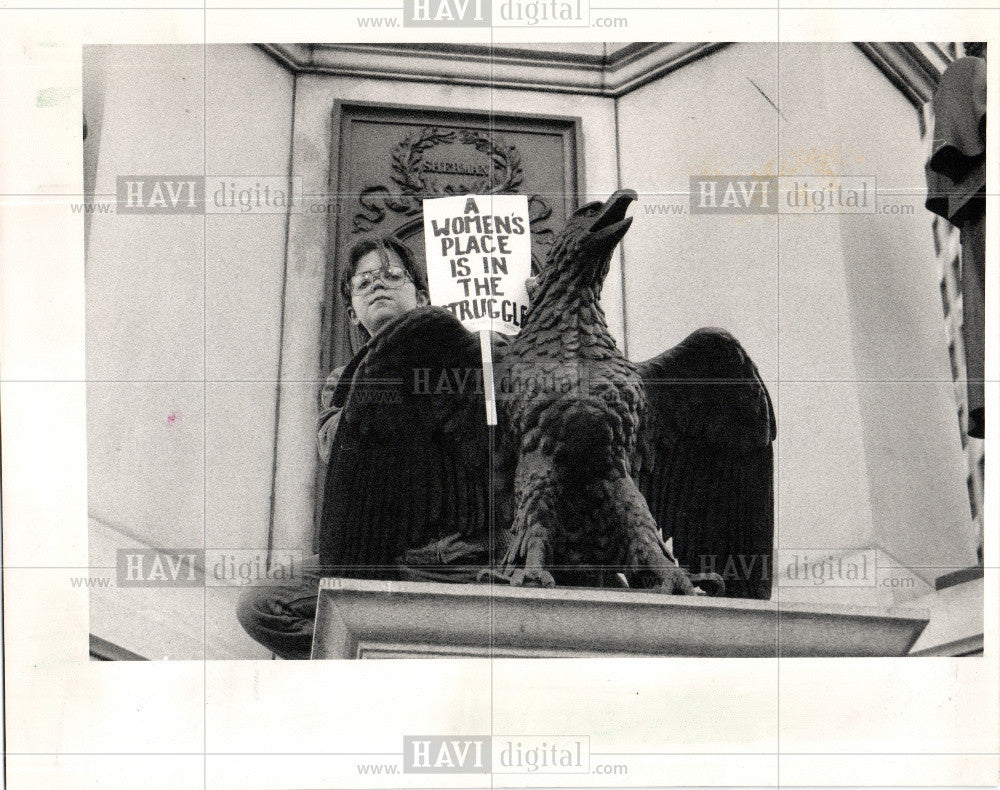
(71, 722)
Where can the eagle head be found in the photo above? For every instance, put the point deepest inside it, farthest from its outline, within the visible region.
(582, 252)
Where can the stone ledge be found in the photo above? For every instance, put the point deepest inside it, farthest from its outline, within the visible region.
(386, 619)
(956, 626)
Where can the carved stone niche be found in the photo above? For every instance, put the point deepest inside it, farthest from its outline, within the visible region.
(388, 158)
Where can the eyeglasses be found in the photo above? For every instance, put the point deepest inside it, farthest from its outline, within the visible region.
(391, 275)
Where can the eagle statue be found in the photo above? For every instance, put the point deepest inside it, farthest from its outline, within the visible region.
(657, 475)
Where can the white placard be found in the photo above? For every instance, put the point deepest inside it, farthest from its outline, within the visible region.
(478, 257)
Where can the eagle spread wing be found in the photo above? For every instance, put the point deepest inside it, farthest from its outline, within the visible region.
(409, 462)
(704, 462)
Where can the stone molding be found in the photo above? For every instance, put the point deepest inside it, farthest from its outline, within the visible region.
(914, 68)
(382, 619)
(521, 68)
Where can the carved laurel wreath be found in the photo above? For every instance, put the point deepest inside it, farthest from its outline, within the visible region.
(408, 160)
(414, 182)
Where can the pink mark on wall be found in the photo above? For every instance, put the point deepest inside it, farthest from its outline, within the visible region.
(173, 417)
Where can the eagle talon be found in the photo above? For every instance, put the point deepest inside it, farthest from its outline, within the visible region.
(537, 577)
(519, 577)
(710, 584)
(675, 581)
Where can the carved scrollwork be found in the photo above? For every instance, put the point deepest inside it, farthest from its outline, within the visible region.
(374, 201)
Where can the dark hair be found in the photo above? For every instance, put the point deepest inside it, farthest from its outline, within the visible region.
(363, 247)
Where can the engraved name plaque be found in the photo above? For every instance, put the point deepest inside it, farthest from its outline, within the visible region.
(387, 159)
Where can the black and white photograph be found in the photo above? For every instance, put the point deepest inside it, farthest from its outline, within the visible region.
(629, 395)
(748, 370)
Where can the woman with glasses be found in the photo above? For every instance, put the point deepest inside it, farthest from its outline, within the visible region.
(380, 282)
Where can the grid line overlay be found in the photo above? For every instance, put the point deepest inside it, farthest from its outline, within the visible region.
(204, 394)
(206, 380)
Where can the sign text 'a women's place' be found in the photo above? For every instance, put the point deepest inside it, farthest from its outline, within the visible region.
(478, 258)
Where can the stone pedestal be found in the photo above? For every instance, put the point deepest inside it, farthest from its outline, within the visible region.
(382, 619)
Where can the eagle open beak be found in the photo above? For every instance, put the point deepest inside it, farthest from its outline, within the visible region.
(611, 224)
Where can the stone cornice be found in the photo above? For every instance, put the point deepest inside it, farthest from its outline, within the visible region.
(610, 75)
(914, 68)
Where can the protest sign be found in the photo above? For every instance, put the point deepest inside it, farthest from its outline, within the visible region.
(478, 258)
